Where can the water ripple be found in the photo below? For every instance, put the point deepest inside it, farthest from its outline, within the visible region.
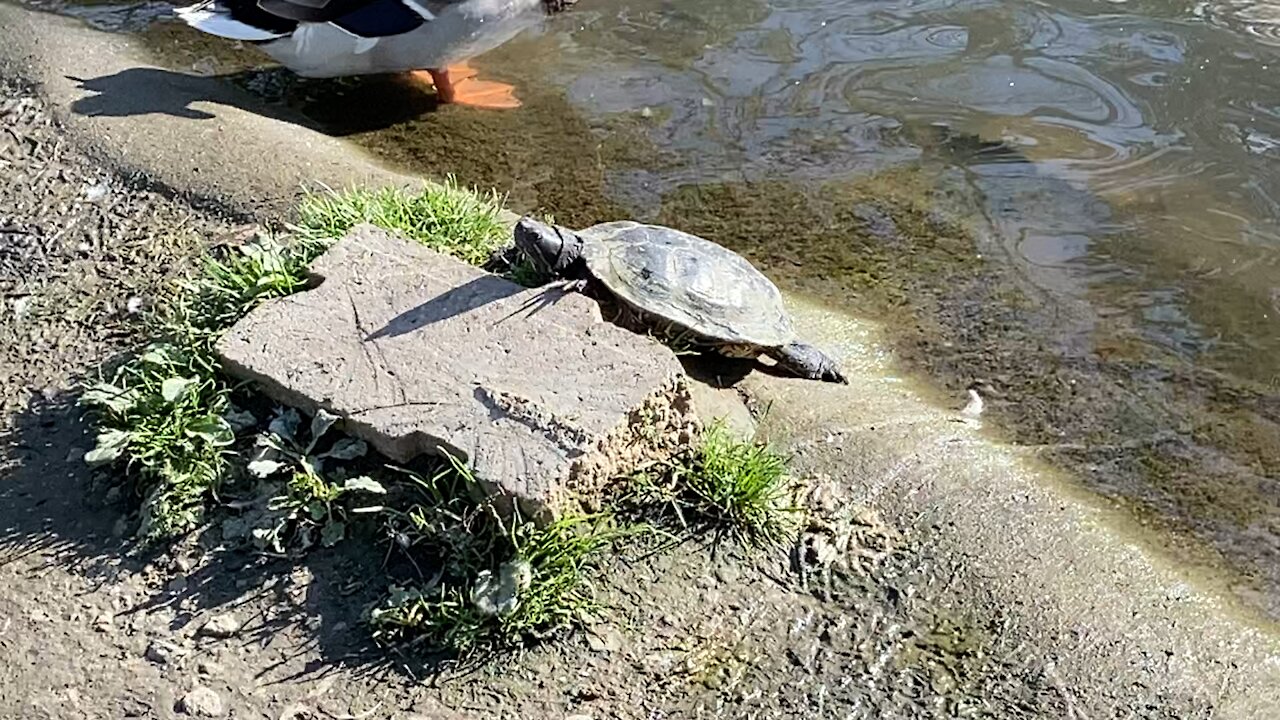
(1258, 18)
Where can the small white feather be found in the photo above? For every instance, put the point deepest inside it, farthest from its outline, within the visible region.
(975, 406)
(209, 21)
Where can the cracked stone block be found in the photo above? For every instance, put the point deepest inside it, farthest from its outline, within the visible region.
(421, 353)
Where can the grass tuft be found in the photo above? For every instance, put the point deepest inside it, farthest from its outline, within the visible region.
(482, 581)
(490, 584)
(444, 217)
(725, 484)
(165, 413)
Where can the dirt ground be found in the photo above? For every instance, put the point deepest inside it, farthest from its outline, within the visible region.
(91, 627)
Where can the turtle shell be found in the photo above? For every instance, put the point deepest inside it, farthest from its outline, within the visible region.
(689, 282)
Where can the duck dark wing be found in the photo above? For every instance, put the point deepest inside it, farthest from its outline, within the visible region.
(319, 10)
(363, 18)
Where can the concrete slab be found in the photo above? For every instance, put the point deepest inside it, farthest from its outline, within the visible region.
(421, 353)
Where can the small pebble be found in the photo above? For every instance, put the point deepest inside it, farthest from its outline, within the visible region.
(646, 112)
(161, 653)
(97, 192)
(221, 626)
(134, 305)
(728, 573)
(202, 702)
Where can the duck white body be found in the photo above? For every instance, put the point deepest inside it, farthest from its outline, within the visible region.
(336, 38)
(448, 32)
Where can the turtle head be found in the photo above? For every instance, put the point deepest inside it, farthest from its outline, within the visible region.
(551, 248)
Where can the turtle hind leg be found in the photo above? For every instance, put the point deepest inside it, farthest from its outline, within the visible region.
(808, 362)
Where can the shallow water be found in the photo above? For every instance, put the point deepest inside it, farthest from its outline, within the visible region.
(1094, 233)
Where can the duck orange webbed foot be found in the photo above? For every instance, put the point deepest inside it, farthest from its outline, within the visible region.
(458, 85)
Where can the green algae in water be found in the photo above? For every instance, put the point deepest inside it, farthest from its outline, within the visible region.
(543, 156)
(858, 244)
(879, 246)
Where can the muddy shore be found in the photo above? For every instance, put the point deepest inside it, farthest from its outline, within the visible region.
(1006, 592)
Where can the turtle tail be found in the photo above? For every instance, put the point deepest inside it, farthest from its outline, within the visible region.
(808, 362)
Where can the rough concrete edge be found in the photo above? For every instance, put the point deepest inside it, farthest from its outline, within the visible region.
(658, 429)
(37, 51)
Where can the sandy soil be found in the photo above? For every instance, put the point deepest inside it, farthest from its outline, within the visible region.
(92, 628)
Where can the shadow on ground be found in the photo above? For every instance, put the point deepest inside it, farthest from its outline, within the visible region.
(60, 515)
(339, 107)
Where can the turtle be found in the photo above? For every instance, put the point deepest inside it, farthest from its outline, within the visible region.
(678, 284)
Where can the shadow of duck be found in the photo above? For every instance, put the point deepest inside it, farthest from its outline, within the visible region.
(337, 107)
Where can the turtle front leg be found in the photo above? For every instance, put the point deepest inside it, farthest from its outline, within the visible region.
(808, 362)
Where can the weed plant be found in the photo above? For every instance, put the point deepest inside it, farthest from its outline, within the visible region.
(481, 580)
(724, 484)
(166, 414)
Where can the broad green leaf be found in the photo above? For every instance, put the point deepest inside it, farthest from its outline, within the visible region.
(317, 509)
(213, 430)
(174, 387)
(333, 533)
(285, 424)
(159, 354)
(265, 468)
(240, 420)
(364, 483)
(320, 424)
(347, 449)
(111, 445)
(111, 397)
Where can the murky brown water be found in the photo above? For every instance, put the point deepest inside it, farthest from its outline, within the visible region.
(1095, 234)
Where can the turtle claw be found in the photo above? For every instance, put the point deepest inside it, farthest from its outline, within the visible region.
(551, 292)
(568, 286)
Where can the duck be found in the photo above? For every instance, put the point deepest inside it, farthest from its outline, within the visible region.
(430, 41)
